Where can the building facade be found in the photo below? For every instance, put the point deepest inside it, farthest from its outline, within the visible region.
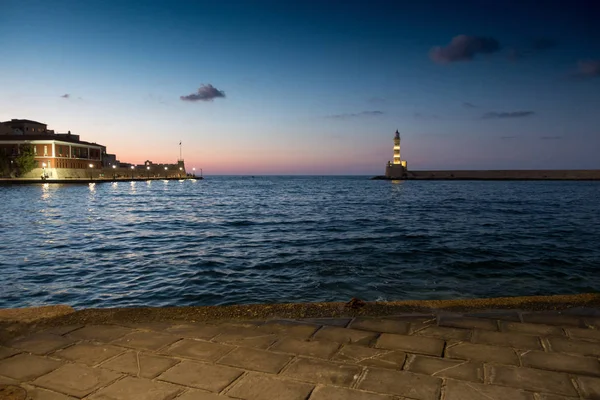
(397, 168)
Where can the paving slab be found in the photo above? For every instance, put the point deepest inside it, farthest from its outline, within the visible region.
(361, 355)
(530, 379)
(345, 335)
(460, 390)
(213, 378)
(198, 350)
(36, 393)
(381, 325)
(131, 388)
(590, 387)
(63, 330)
(41, 343)
(256, 360)
(579, 333)
(483, 353)
(341, 322)
(553, 318)
(195, 331)
(289, 328)
(314, 348)
(100, 333)
(5, 352)
(319, 371)
(445, 333)
(247, 337)
(140, 364)
(531, 329)
(460, 321)
(411, 344)
(12, 392)
(401, 383)
(561, 362)
(565, 345)
(515, 340)
(146, 340)
(88, 353)
(446, 368)
(262, 387)
(501, 315)
(77, 380)
(25, 367)
(339, 393)
(194, 394)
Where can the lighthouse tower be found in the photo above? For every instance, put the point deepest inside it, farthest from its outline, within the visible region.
(396, 169)
(397, 148)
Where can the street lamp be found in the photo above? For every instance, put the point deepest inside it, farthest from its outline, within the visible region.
(114, 172)
(194, 169)
(91, 172)
(148, 168)
(132, 168)
(166, 172)
(180, 171)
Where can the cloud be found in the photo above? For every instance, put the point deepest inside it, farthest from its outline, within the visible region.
(502, 115)
(204, 93)
(356, 115)
(65, 96)
(464, 48)
(469, 105)
(541, 44)
(588, 69)
(550, 137)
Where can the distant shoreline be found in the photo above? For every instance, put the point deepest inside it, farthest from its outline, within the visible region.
(500, 175)
(32, 181)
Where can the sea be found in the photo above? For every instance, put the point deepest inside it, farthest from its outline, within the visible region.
(279, 239)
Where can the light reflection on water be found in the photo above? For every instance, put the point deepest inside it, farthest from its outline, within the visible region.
(279, 239)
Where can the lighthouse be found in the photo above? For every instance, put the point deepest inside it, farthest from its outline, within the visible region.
(396, 169)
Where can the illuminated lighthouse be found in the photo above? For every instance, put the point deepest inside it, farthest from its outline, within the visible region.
(396, 169)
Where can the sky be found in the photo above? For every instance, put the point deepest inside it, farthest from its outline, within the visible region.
(311, 87)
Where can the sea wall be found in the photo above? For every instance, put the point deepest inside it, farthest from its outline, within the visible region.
(581, 174)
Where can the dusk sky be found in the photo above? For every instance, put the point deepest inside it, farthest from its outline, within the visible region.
(312, 87)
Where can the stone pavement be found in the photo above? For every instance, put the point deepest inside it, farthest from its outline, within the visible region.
(479, 356)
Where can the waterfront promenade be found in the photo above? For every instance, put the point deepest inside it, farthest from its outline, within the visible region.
(530, 349)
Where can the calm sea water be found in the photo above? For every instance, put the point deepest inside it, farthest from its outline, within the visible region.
(229, 240)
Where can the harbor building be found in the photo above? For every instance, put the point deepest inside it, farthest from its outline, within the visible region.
(396, 169)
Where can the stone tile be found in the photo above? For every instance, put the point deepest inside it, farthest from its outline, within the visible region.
(341, 322)
(198, 350)
(339, 393)
(5, 352)
(580, 333)
(8, 381)
(401, 383)
(344, 335)
(589, 387)
(100, 333)
(12, 392)
(444, 333)
(564, 345)
(318, 371)
(368, 356)
(140, 364)
(482, 352)
(263, 387)
(460, 321)
(193, 394)
(63, 330)
(502, 315)
(530, 379)
(457, 390)
(36, 393)
(553, 319)
(41, 343)
(256, 360)
(411, 344)
(289, 328)
(315, 348)
(561, 362)
(155, 326)
(583, 311)
(195, 331)
(88, 353)
(25, 367)
(445, 368)
(592, 322)
(146, 340)
(76, 380)
(547, 396)
(531, 329)
(518, 341)
(381, 325)
(213, 378)
(137, 389)
(247, 337)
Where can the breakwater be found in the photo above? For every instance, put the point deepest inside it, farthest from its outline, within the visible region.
(500, 175)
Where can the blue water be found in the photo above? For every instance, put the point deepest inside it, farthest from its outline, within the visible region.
(228, 240)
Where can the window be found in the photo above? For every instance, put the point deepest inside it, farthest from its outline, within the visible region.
(45, 150)
(34, 149)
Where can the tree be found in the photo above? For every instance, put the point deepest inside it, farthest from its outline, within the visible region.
(25, 161)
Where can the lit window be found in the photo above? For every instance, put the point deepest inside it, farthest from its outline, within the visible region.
(34, 149)
(45, 150)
